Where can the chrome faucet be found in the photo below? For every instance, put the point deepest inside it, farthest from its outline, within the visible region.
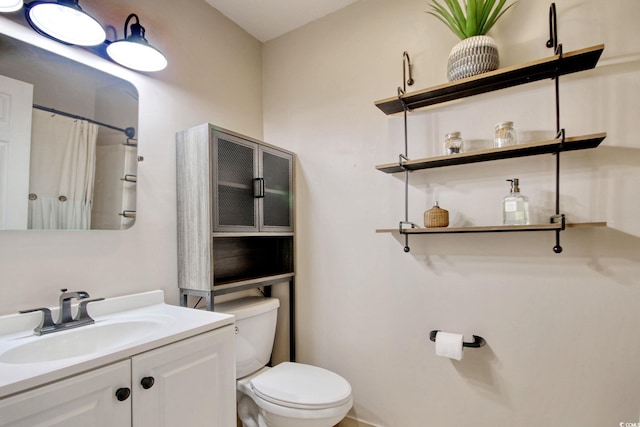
(65, 318)
(65, 304)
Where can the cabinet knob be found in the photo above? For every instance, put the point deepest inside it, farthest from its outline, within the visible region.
(147, 382)
(123, 394)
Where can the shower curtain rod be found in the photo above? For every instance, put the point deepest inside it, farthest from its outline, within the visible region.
(130, 132)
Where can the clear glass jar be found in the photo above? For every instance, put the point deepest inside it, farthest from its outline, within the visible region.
(452, 143)
(504, 135)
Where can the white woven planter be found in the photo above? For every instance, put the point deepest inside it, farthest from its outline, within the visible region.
(472, 56)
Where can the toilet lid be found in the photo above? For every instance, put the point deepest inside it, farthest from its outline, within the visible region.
(297, 385)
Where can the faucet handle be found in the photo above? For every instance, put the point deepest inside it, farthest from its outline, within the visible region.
(76, 294)
(83, 314)
(46, 322)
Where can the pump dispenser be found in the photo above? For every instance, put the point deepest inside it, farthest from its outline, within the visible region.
(515, 206)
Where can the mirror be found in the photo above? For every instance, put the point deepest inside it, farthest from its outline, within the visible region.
(68, 150)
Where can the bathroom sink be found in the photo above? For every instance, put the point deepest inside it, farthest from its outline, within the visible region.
(124, 326)
(82, 341)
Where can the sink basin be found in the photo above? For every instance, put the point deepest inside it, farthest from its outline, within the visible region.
(82, 341)
(124, 326)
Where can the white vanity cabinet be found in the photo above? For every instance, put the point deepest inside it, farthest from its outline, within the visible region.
(194, 383)
(85, 400)
(190, 382)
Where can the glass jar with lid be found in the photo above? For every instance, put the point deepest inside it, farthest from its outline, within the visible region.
(452, 143)
(504, 135)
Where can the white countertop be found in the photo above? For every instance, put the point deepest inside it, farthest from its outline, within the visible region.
(178, 323)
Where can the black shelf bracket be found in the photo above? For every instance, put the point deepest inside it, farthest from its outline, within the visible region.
(553, 28)
(406, 65)
(553, 43)
(406, 69)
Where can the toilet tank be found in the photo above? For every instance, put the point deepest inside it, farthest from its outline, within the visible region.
(255, 331)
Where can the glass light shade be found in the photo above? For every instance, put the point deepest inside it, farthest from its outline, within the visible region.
(10, 5)
(66, 24)
(137, 55)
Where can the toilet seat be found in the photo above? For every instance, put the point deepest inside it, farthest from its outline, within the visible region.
(300, 386)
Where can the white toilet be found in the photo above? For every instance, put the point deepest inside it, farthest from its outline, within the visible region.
(289, 394)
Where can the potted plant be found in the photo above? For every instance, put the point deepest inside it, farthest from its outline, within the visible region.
(476, 53)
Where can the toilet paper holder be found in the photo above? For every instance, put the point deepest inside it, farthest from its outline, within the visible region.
(477, 340)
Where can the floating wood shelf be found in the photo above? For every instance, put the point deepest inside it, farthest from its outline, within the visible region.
(570, 62)
(493, 228)
(519, 150)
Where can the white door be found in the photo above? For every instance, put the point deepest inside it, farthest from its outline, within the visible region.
(86, 400)
(16, 103)
(190, 383)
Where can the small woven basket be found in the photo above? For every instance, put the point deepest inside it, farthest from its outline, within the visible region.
(436, 217)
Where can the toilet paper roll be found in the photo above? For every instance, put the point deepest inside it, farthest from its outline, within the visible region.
(449, 345)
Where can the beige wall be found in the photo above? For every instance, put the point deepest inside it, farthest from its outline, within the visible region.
(214, 75)
(562, 330)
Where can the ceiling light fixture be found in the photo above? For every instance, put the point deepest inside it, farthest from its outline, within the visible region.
(64, 21)
(10, 5)
(134, 51)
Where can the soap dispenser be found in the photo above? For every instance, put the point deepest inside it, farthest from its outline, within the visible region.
(515, 206)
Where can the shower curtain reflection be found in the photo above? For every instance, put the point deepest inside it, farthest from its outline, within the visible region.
(63, 158)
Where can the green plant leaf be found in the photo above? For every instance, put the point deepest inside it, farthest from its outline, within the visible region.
(484, 15)
(472, 20)
(469, 18)
(457, 12)
(497, 13)
(451, 25)
(447, 18)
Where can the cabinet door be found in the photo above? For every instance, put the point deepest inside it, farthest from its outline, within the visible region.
(235, 164)
(193, 383)
(277, 201)
(86, 400)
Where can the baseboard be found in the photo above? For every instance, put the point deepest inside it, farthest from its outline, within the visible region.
(352, 422)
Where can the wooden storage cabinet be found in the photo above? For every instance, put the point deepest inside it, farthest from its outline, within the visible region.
(235, 217)
(193, 385)
(235, 213)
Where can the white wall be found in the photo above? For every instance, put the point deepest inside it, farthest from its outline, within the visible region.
(214, 75)
(562, 330)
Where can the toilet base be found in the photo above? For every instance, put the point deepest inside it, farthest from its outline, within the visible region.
(251, 415)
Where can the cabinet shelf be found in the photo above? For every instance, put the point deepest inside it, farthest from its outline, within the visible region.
(240, 234)
(234, 185)
(568, 63)
(493, 228)
(520, 150)
(229, 286)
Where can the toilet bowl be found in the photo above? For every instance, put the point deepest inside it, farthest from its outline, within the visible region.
(288, 394)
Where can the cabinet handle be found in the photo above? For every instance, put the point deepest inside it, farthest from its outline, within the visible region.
(258, 187)
(147, 382)
(123, 394)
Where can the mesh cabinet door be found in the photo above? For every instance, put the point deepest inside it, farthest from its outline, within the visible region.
(277, 203)
(235, 168)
